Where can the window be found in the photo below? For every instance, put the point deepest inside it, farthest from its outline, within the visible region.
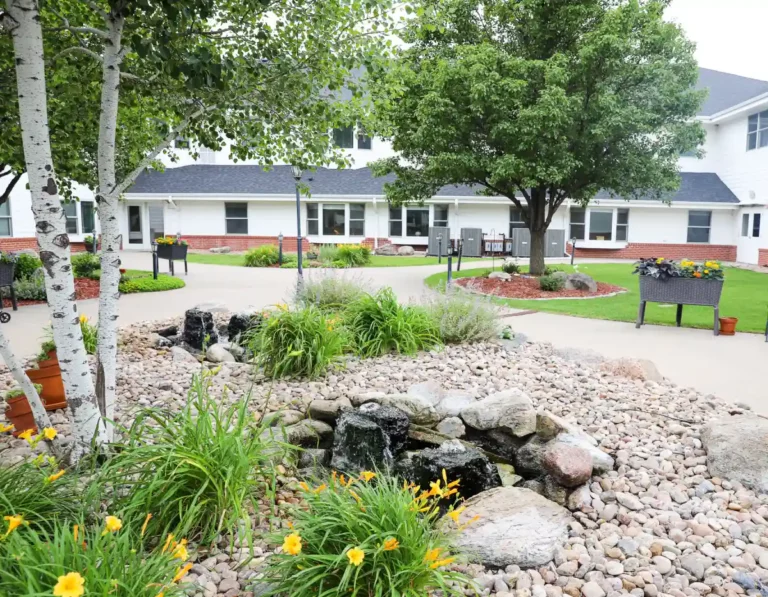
(87, 221)
(70, 211)
(745, 225)
(395, 221)
(333, 220)
(756, 225)
(236, 215)
(357, 219)
(600, 225)
(699, 223)
(417, 222)
(757, 130)
(622, 224)
(312, 218)
(516, 219)
(441, 216)
(578, 223)
(181, 143)
(363, 140)
(5, 219)
(344, 137)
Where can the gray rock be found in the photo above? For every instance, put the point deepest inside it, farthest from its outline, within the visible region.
(452, 403)
(220, 249)
(392, 420)
(579, 498)
(549, 425)
(515, 526)
(405, 250)
(158, 341)
(592, 589)
(579, 281)
(696, 564)
(359, 444)
(554, 491)
(286, 417)
(569, 465)
(452, 427)
(419, 410)
(217, 353)
(584, 356)
(308, 433)
(496, 442)
(182, 356)
(737, 450)
(503, 276)
(168, 331)
(601, 462)
(199, 328)
(241, 323)
(314, 458)
(528, 458)
(510, 410)
(387, 249)
(328, 410)
(507, 475)
(629, 501)
(430, 391)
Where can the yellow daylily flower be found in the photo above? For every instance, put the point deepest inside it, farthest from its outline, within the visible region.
(112, 524)
(367, 475)
(49, 433)
(180, 552)
(356, 556)
(56, 476)
(182, 572)
(391, 544)
(168, 540)
(454, 514)
(432, 555)
(26, 434)
(83, 318)
(69, 585)
(443, 562)
(14, 522)
(292, 544)
(4, 428)
(146, 522)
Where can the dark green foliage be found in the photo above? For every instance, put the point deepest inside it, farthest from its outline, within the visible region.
(510, 267)
(85, 264)
(31, 288)
(263, 256)
(352, 255)
(552, 283)
(149, 284)
(26, 265)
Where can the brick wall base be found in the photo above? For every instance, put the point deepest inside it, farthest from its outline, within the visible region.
(243, 243)
(681, 251)
(17, 244)
(762, 257)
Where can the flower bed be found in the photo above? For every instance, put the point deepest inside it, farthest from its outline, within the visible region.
(520, 287)
(85, 289)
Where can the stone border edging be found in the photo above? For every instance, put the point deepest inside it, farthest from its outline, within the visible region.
(556, 298)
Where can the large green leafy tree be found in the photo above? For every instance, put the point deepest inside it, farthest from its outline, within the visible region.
(539, 101)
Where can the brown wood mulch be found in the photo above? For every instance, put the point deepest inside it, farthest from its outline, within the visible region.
(85, 289)
(520, 287)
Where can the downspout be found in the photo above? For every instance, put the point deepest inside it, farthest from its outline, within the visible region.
(376, 214)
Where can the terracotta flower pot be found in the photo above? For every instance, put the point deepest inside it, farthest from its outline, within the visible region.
(49, 376)
(19, 413)
(51, 361)
(728, 325)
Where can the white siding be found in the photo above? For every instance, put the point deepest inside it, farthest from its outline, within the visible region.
(743, 171)
(270, 219)
(711, 148)
(201, 218)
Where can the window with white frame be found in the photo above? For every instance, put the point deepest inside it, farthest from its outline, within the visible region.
(600, 224)
(417, 221)
(395, 221)
(333, 219)
(578, 223)
(336, 219)
(516, 219)
(87, 220)
(744, 224)
(757, 130)
(313, 218)
(699, 225)
(344, 137)
(236, 217)
(70, 211)
(357, 219)
(5, 219)
(363, 140)
(441, 216)
(622, 224)
(756, 225)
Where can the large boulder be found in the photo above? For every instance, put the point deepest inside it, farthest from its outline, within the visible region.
(392, 420)
(503, 276)
(199, 328)
(387, 249)
(601, 462)
(452, 403)
(737, 450)
(475, 473)
(430, 391)
(511, 410)
(580, 281)
(516, 526)
(328, 410)
(406, 251)
(309, 433)
(569, 465)
(548, 425)
(528, 458)
(496, 442)
(240, 323)
(359, 444)
(218, 353)
(419, 410)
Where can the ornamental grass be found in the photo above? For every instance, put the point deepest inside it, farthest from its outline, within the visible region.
(369, 536)
(76, 559)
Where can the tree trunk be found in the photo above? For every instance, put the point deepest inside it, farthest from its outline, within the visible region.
(538, 250)
(50, 226)
(537, 224)
(107, 200)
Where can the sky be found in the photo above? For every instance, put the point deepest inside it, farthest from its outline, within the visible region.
(729, 34)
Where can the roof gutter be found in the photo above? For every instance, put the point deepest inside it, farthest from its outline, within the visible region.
(736, 110)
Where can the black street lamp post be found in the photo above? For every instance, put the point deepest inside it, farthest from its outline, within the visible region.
(297, 177)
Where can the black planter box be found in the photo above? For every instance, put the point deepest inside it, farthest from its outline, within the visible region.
(172, 252)
(6, 273)
(680, 291)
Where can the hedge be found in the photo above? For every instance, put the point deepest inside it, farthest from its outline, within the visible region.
(149, 284)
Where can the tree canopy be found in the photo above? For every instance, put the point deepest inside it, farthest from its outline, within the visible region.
(539, 101)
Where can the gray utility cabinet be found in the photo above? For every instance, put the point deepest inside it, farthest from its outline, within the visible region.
(432, 248)
(554, 244)
(472, 242)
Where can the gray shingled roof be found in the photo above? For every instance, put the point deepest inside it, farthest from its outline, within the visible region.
(727, 90)
(254, 180)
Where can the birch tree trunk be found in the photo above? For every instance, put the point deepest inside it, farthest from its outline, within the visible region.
(107, 199)
(50, 224)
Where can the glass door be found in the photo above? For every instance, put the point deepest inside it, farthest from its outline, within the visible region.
(135, 232)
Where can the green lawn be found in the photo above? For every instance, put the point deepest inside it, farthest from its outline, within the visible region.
(745, 295)
(376, 260)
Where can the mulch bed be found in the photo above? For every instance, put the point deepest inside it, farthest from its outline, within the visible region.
(528, 288)
(85, 288)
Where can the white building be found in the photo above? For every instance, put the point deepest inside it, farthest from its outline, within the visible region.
(716, 214)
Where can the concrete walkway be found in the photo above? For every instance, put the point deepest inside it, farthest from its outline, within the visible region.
(730, 367)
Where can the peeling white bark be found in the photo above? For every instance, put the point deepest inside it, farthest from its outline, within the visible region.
(50, 226)
(107, 200)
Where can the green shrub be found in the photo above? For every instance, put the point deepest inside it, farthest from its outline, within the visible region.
(90, 557)
(510, 267)
(149, 284)
(330, 292)
(262, 256)
(378, 324)
(84, 264)
(27, 491)
(198, 472)
(26, 266)
(328, 253)
(395, 531)
(552, 283)
(461, 317)
(353, 255)
(549, 270)
(302, 343)
(31, 288)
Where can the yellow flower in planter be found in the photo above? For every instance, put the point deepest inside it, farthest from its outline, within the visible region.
(356, 556)
(292, 544)
(69, 585)
(391, 544)
(49, 433)
(112, 524)
(56, 476)
(14, 522)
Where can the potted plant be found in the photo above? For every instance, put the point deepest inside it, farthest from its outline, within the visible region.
(19, 412)
(172, 247)
(7, 268)
(88, 242)
(48, 375)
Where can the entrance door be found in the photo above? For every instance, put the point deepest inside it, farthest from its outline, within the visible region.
(750, 228)
(135, 227)
(156, 221)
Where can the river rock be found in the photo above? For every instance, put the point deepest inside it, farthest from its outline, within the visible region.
(359, 444)
(601, 462)
(199, 329)
(569, 465)
(406, 251)
(452, 427)
(308, 433)
(328, 410)
(430, 391)
(528, 459)
(737, 450)
(392, 420)
(418, 409)
(218, 353)
(516, 526)
(240, 323)
(452, 403)
(181, 355)
(503, 276)
(510, 410)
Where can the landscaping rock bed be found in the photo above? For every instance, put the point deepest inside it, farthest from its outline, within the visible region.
(652, 519)
(521, 287)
